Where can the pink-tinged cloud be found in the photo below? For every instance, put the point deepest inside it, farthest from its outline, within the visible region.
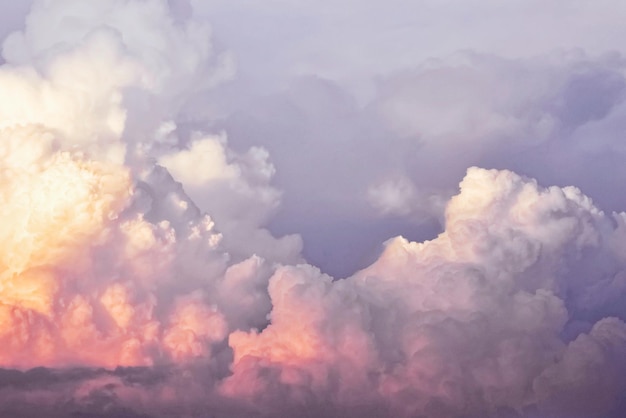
(140, 274)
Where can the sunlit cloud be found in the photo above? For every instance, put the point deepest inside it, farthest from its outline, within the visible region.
(220, 221)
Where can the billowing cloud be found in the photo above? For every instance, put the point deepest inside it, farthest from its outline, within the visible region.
(146, 194)
(471, 323)
(105, 260)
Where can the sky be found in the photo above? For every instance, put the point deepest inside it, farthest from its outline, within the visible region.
(238, 209)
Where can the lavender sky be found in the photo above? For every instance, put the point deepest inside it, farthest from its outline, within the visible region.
(235, 208)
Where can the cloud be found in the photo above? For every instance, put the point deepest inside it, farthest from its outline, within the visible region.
(550, 117)
(149, 265)
(462, 325)
(236, 191)
(105, 259)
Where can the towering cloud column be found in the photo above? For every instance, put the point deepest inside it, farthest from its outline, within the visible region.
(105, 260)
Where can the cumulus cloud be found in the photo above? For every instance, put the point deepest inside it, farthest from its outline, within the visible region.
(144, 191)
(395, 158)
(236, 191)
(105, 259)
(467, 324)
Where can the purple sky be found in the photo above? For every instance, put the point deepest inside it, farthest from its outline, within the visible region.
(234, 208)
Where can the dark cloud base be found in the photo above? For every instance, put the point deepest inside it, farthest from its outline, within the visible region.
(61, 393)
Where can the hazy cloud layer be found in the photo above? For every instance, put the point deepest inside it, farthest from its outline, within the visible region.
(172, 199)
